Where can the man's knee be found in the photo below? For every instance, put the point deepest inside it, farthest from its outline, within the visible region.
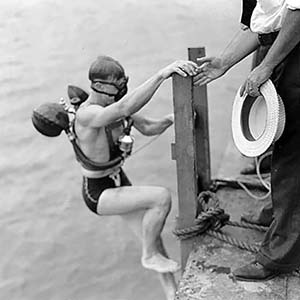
(163, 199)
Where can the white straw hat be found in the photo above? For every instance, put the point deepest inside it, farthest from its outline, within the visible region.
(257, 122)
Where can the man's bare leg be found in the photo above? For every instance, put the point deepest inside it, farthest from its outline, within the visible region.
(134, 221)
(156, 201)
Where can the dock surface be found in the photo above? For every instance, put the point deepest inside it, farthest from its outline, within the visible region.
(207, 272)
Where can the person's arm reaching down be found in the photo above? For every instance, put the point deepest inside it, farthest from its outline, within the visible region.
(211, 68)
(287, 39)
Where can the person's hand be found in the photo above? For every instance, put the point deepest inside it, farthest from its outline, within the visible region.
(256, 78)
(181, 67)
(209, 69)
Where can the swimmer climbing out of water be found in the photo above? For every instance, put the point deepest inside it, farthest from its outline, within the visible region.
(98, 126)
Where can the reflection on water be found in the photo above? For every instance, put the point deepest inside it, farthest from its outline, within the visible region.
(52, 246)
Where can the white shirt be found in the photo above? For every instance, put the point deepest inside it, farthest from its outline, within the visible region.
(268, 14)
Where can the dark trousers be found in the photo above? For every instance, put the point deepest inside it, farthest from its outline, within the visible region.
(280, 249)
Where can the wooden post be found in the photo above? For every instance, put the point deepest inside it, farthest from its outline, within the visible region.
(201, 128)
(191, 149)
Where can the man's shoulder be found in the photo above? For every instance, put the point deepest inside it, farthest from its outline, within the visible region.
(89, 107)
(85, 114)
(88, 110)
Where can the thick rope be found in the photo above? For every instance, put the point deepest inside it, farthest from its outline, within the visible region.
(211, 219)
(233, 241)
(247, 226)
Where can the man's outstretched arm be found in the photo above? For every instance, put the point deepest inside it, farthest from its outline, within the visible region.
(96, 116)
(211, 68)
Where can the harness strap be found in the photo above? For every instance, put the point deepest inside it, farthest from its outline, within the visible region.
(116, 177)
(114, 150)
(93, 165)
(115, 154)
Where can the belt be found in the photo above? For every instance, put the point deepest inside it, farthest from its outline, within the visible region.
(266, 39)
(100, 174)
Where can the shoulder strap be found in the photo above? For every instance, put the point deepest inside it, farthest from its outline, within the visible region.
(93, 165)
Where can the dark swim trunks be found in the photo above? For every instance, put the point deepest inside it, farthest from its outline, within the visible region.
(92, 188)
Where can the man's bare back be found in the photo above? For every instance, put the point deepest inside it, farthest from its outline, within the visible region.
(93, 140)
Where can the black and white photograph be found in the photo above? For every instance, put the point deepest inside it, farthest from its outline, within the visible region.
(150, 150)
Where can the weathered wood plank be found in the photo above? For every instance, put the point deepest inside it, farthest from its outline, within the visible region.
(191, 149)
(185, 157)
(200, 103)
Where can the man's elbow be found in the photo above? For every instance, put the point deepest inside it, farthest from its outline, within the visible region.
(145, 129)
(124, 110)
(147, 132)
(152, 130)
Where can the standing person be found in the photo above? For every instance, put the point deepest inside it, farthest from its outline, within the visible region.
(275, 26)
(98, 126)
(247, 10)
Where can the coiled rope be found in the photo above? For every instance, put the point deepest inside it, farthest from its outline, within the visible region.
(264, 183)
(211, 219)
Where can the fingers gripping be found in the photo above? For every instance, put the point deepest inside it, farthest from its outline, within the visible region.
(249, 88)
(185, 68)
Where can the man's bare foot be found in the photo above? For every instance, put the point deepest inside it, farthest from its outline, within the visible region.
(160, 264)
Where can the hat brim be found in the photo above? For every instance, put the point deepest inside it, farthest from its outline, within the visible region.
(250, 144)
